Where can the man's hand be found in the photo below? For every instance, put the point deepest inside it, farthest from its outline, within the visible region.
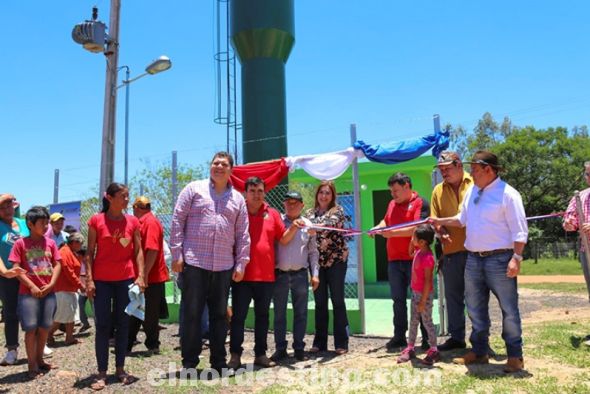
(586, 228)
(513, 268)
(315, 282)
(569, 224)
(299, 223)
(90, 289)
(237, 276)
(177, 266)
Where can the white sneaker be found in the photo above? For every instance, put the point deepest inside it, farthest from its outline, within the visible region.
(47, 352)
(10, 358)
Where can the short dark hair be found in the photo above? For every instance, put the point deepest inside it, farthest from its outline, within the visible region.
(253, 181)
(400, 178)
(36, 213)
(70, 229)
(425, 232)
(224, 155)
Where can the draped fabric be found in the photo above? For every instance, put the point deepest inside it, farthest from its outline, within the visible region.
(397, 152)
(326, 166)
(271, 172)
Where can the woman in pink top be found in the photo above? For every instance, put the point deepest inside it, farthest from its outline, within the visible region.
(114, 246)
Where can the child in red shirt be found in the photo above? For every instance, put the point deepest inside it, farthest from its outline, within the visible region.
(39, 257)
(421, 284)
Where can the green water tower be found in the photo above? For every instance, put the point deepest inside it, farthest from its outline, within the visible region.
(262, 34)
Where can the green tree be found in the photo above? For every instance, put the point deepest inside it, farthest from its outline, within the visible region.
(156, 182)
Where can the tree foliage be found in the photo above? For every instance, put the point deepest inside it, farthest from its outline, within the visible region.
(156, 183)
(544, 165)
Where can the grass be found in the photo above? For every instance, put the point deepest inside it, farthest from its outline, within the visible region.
(574, 288)
(551, 267)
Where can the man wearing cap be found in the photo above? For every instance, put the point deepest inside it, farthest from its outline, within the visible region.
(446, 200)
(56, 229)
(295, 262)
(156, 272)
(265, 228)
(210, 245)
(11, 229)
(496, 233)
(405, 206)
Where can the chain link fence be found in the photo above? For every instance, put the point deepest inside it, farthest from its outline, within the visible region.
(163, 210)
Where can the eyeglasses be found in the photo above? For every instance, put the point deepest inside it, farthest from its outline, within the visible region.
(478, 197)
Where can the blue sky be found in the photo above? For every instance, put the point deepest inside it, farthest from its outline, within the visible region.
(385, 65)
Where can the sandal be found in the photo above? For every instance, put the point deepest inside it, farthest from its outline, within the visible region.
(341, 351)
(125, 378)
(46, 367)
(74, 341)
(98, 384)
(314, 349)
(34, 374)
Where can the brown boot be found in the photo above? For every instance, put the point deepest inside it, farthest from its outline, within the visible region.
(234, 361)
(514, 364)
(471, 358)
(264, 362)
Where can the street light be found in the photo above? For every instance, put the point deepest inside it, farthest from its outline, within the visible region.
(162, 63)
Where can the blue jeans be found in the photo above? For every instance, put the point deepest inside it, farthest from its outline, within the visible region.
(332, 281)
(399, 273)
(110, 301)
(202, 287)
(9, 298)
(242, 294)
(36, 312)
(482, 275)
(453, 270)
(298, 283)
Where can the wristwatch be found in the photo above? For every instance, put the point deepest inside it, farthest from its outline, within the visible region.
(517, 257)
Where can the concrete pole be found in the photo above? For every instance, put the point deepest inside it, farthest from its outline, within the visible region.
(107, 159)
(56, 186)
(357, 220)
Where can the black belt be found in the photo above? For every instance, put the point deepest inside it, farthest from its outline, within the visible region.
(291, 271)
(491, 252)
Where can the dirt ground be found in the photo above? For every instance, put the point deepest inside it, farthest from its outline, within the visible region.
(77, 364)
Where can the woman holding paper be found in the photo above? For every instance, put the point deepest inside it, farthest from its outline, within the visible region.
(114, 246)
(333, 258)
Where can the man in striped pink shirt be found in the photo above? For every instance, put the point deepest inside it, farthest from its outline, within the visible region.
(210, 245)
(571, 222)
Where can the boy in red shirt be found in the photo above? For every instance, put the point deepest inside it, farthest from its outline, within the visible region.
(65, 289)
(421, 284)
(39, 257)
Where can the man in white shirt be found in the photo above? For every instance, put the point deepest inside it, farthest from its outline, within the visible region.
(496, 233)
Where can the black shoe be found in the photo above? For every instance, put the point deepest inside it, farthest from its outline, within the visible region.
(425, 345)
(451, 344)
(395, 343)
(224, 371)
(279, 355)
(300, 355)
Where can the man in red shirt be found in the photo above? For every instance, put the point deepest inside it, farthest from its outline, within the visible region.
(406, 206)
(156, 274)
(266, 227)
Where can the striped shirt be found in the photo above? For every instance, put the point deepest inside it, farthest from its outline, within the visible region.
(572, 213)
(210, 230)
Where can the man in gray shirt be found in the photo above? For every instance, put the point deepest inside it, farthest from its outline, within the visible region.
(295, 261)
